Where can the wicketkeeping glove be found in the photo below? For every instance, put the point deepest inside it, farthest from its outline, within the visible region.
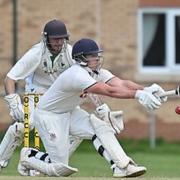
(147, 99)
(15, 107)
(156, 90)
(113, 118)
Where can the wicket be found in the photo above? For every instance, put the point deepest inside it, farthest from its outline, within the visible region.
(26, 120)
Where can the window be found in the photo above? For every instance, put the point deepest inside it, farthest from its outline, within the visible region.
(153, 40)
(177, 38)
(159, 41)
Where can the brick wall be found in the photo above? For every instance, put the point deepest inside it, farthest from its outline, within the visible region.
(112, 23)
(159, 3)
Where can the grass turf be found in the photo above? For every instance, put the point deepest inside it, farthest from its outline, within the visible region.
(162, 162)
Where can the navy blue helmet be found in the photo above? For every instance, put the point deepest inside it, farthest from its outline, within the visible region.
(55, 29)
(84, 47)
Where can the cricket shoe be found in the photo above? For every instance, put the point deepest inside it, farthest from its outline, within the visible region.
(23, 171)
(130, 171)
(3, 164)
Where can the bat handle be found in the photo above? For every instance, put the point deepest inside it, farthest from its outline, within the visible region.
(171, 92)
(168, 93)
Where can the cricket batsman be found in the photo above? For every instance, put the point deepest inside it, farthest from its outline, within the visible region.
(58, 114)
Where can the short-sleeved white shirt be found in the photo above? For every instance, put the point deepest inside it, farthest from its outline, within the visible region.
(64, 94)
(33, 63)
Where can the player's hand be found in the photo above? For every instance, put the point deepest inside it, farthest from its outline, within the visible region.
(147, 99)
(15, 107)
(156, 90)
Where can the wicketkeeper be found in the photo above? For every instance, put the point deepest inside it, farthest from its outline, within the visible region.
(39, 66)
(58, 114)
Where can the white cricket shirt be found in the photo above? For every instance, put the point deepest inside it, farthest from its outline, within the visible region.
(34, 62)
(64, 94)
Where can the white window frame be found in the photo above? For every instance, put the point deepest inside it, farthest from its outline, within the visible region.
(170, 67)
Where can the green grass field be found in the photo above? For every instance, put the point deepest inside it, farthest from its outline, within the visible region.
(162, 162)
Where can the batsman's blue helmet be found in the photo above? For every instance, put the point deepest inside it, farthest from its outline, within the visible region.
(55, 29)
(84, 47)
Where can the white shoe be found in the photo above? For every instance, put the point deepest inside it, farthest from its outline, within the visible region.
(23, 171)
(130, 171)
(3, 164)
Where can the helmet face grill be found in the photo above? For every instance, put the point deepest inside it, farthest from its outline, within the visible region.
(55, 29)
(85, 47)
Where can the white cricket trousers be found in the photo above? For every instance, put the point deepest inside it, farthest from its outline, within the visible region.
(54, 130)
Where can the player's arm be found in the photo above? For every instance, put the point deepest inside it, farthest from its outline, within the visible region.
(145, 98)
(13, 100)
(155, 89)
(118, 91)
(9, 85)
(124, 83)
(24, 67)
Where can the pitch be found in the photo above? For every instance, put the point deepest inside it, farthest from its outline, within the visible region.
(80, 178)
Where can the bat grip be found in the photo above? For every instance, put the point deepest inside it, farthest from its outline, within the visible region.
(168, 93)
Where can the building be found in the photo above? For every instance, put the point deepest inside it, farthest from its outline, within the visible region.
(141, 39)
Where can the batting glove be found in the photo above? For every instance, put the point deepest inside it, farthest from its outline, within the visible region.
(15, 107)
(156, 90)
(148, 100)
